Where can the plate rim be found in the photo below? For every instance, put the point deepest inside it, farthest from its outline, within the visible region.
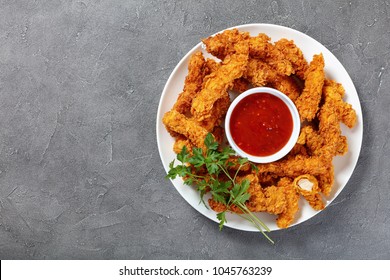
(299, 33)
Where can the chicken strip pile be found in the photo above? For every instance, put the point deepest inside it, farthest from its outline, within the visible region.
(245, 61)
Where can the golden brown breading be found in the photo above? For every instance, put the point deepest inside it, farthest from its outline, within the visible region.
(223, 44)
(326, 181)
(329, 129)
(311, 138)
(295, 166)
(218, 111)
(307, 103)
(293, 54)
(192, 84)
(260, 47)
(271, 200)
(180, 142)
(334, 92)
(219, 81)
(307, 186)
(292, 197)
(187, 127)
(260, 74)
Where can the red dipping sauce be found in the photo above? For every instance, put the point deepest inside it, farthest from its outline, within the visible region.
(261, 124)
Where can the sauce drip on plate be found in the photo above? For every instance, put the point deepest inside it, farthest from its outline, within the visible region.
(261, 124)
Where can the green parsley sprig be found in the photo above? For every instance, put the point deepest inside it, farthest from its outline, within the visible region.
(228, 192)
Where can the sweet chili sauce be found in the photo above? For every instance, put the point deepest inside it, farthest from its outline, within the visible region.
(261, 124)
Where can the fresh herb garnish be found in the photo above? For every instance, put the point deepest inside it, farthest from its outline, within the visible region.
(209, 172)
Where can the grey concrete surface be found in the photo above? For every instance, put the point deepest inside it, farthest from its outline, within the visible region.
(80, 173)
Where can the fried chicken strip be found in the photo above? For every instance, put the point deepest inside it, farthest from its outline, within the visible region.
(297, 165)
(218, 82)
(189, 128)
(307, 186)
(293, 54)
(329, 129)
(311, 138)
(292, 197)
(308, 102)
(217, 113)
(192, 84)
(326, 181)
(261, 74)
(335, 92)
(222, 45)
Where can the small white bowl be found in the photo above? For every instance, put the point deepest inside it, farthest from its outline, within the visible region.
(294, 135)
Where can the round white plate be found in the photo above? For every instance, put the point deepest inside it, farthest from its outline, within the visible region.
(344, 165)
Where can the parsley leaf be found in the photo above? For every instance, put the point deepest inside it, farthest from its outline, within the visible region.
(222, 219)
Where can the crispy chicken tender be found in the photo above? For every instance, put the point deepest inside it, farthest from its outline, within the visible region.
(192, 84)
(297, 165)
(187, 127)
(307, 186)
(260, 47)
(308, 101)
(311, 138)
(223, 44)
(218, 82)
(292, 197)
(218, 111)
(326, 181)
(261, 74)
(294, 55)
(270, 200)
(335, 92)
(329, 129)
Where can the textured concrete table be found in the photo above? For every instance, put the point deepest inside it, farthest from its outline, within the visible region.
(80, 174)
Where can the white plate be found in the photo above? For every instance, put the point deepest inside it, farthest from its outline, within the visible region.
(344, 165)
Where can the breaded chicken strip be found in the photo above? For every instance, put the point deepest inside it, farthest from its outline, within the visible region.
(259, 74)
(260, 47)
(217, 113)
(297, 165)
(293, 54)
(189, 128)
(218, 82)
(192, 84)
(271, 200)
(311, 138)
(326, 181)
(308, 101)
(223, 44)
(329, 129)
(307, 186)
(292, 197)
(335, 92)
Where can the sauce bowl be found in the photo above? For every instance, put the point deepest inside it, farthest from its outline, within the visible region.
(270, 146)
